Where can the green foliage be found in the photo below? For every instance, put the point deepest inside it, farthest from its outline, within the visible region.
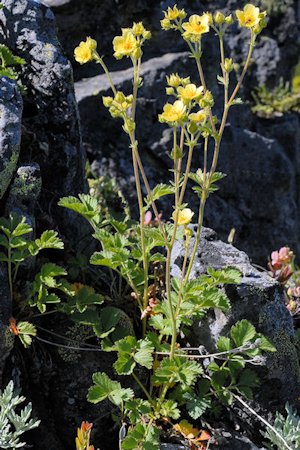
(15, 240)
(132, 352)
(25, 332)
(104, 388)
(46, 286)
(12, 424)
(206, 182)
(178, 370)
(277, 102)
(243, 346)
(8, 62)
(141, 437)
(288, 428)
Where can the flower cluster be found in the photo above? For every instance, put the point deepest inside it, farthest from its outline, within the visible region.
(197, 25)
(118, 105)
(188, 97)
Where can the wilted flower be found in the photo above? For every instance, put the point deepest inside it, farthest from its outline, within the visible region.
(85, 51)
(196, 26)
(189, 92)
(249, 17)
(125, 45)
(173, 113)
(184, 216)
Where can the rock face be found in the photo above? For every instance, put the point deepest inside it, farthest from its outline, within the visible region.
(51, 135)
(258, 299)
(11, 106)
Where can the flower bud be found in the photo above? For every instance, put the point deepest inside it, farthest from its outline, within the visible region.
(188, 233)
(228, 65)
(174, 80)
(147, 35)
(169, 91)
(229, 19)
(107, 101)
(165, 24)
(219, 18)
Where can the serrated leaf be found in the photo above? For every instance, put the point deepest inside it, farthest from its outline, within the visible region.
(195, 405)
(48, 240)
(85, 205)
(242, 332)
(159, 191)
(224, 344)
(228, 275)
(177, 370)
(132, 352)
(104, 388)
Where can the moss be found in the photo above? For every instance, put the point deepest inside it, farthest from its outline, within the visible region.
(7, 172)
(25, 185)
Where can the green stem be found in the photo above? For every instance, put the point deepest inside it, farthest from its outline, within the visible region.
(142, 387)
(100, 61)
(9, 270)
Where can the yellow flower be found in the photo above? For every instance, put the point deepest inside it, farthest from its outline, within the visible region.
(249, 17)
(85, 51)
(196, 26)
(184, 216)
(125, 45)
(174, 80)
(138, 29)
(190, 92)
(173, 113)
(198, 117)
(174, 13)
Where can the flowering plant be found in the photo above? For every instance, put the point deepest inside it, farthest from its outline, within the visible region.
(170, 376)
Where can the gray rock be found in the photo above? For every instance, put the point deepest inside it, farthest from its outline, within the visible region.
(50, 119)
(24, 192)
(10, 131)
(258, 299)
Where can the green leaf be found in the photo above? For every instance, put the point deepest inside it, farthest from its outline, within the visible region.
(265, 344)
(228, 275)
(7, 57)
(49, 239)
(104, 388)
(177, 370)
(195, 405)
(26, 330)
(169, 409)
(86, 205)
(159, 191)
(132, 352)
(141, 437)
(224, 344)
(242, 332)
(136, 409)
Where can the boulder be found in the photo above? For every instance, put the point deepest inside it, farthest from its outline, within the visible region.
(51, 136)
(11, 106)
(259, 299)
